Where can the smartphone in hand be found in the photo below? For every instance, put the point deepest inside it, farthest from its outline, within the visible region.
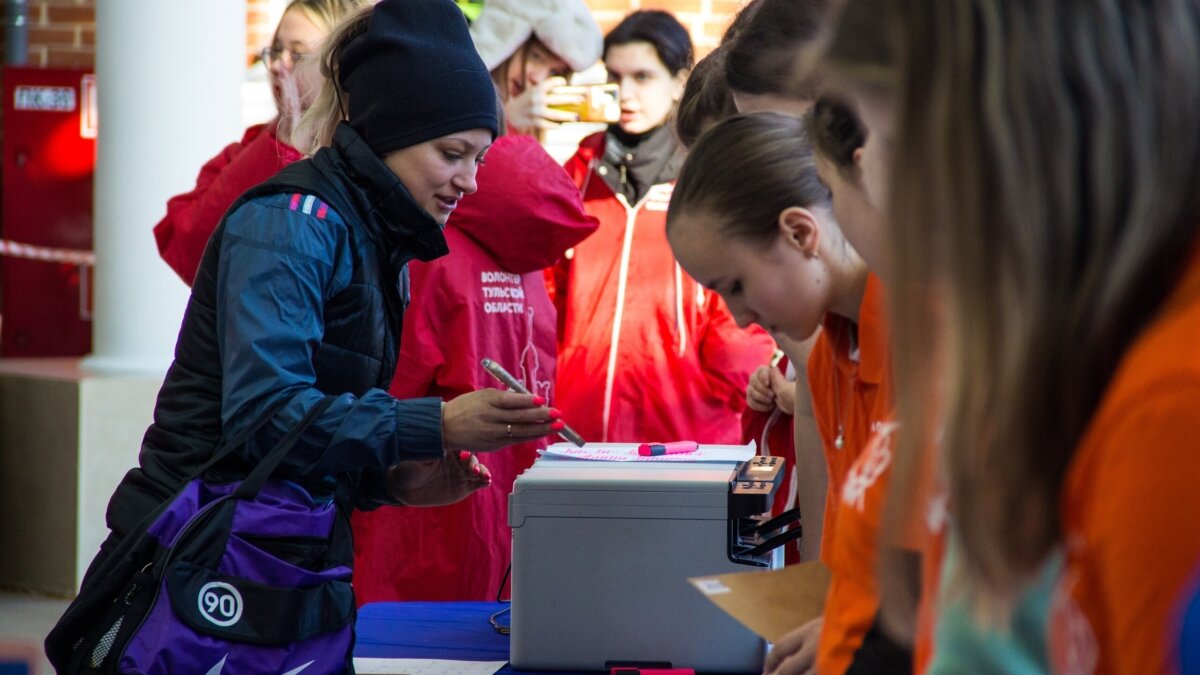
(600, 102)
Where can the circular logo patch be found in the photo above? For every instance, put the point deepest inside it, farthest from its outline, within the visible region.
(220, 603)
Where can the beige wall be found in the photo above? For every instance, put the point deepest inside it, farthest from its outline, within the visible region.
(66, 439)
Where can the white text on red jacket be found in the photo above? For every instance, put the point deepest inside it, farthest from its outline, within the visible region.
(502, 293)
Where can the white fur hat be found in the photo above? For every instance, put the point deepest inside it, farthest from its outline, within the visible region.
(566, 27)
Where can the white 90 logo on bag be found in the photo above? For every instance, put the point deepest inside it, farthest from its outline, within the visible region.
(220, 603)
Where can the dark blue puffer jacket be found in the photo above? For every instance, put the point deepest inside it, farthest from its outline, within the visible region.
(300, 294)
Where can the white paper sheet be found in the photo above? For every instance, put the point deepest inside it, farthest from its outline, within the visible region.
(627, 452)
(425, 667)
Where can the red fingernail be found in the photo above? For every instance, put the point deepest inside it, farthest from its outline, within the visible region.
(475, 469)
(463, 455)
(555, 413)
(538, 400)
(558, 426)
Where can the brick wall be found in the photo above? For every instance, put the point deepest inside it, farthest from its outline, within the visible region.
(62, 33)
(259, 27)
(705, 19)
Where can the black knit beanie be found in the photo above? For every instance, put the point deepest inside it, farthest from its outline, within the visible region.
(414, 75)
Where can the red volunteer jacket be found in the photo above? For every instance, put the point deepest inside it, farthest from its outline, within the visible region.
(645, 352)
(193, 216)
(487, 298)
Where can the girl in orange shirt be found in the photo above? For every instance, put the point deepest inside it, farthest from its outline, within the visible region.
(1050, 189)
(849, 640)
(750, 219)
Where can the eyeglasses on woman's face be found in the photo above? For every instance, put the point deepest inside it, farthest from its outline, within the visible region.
(288, 58)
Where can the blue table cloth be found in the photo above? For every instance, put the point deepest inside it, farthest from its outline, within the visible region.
(432, 630)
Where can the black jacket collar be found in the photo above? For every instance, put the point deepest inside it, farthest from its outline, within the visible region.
(634, 164)
(401, 228)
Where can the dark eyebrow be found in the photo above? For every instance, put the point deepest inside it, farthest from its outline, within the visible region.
(467, 145)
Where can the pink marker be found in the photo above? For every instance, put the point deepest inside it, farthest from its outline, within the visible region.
(675, 448)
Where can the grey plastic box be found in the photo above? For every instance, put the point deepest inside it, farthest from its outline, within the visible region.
(602, 553)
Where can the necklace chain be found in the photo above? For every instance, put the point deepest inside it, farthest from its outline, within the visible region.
(840, 440)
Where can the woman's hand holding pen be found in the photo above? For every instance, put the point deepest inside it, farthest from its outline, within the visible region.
(490, 419)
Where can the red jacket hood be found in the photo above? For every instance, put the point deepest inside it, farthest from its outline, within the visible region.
(526, 212)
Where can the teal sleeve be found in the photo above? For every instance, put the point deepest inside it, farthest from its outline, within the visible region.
(962, 645)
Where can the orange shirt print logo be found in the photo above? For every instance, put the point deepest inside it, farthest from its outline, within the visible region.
(1073, 646)
(873, 463)
(937, 512)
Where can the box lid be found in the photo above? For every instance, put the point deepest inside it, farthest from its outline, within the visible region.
(559, 487)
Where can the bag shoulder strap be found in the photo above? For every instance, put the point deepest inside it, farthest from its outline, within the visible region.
(263, 470)
(241, 439)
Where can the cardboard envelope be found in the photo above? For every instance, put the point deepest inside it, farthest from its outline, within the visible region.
(770, 603)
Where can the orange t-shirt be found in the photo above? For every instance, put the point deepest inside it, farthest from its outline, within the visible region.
(853, 598)
(928, 529)
(1131, 505)
(847, 393)
(933, 551)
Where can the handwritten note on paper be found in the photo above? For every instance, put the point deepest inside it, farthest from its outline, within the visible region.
(425, 667)
(627, 452)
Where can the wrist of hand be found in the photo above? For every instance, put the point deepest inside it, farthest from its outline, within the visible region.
(443, 426)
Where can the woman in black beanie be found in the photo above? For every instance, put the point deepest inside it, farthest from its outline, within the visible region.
(303, 286)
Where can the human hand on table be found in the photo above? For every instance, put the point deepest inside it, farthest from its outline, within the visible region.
(796, 652)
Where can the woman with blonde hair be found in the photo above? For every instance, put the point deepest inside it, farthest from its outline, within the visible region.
(1048, 201)
(264, 149)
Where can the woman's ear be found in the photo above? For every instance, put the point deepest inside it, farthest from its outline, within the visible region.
(680, 82)
(800, 230)
(857, 157)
